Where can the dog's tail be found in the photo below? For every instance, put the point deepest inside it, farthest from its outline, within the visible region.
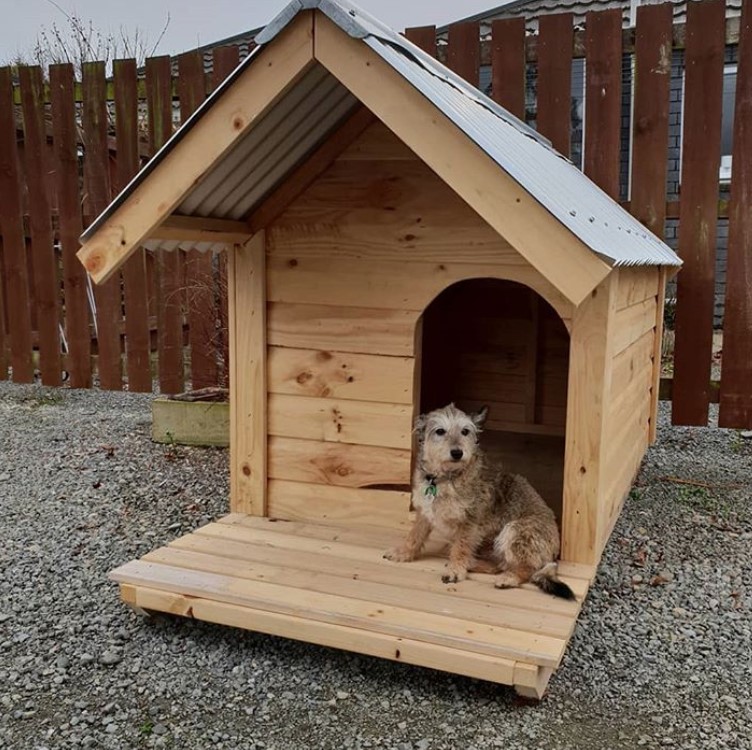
(546, 580)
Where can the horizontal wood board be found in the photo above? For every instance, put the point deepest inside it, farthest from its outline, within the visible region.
(325, 576)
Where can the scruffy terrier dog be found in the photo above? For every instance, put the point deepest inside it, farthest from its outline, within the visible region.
(496, 522)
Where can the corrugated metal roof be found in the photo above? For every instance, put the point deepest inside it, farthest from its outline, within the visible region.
(318, 103)
(531, 10)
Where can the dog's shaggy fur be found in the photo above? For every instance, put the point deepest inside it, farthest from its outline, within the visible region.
(496, 522)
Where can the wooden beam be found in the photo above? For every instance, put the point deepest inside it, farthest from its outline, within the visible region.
(474, 176)
(233, 114)
(201, 229)
(590, 365)
(304, 175)
(248, 401)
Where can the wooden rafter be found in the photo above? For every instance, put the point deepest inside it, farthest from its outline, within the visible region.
(302, 177)
(221, 126)
(200, 229)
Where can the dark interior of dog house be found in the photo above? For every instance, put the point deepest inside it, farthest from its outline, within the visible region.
(499, 343)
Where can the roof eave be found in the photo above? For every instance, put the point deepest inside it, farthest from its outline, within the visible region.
(151, 197)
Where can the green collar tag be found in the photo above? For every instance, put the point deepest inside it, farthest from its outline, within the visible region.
(432, 490)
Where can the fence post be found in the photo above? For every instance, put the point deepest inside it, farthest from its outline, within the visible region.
(14, 243)
(698, 211)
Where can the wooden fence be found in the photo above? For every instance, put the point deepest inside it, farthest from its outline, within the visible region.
(66, 148)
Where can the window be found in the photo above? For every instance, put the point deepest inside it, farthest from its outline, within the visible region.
(727, 120)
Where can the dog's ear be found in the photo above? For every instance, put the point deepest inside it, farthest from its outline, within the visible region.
(479, 418)
(419, 426)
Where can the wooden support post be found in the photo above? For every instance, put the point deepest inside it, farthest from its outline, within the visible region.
(531, 359)
(590, 365)
(531, 680)
(657, 352)
(248, 434)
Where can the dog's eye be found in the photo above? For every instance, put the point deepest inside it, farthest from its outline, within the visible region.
(465, 432)
(441, 431)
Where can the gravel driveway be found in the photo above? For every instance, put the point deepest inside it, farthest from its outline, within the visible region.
(662, 655)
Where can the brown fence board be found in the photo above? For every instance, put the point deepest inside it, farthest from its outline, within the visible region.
(736, 372)
(45, 272)
(603, 99)
(169, 302)
(463, 50)
(699, 196)
(199, 275)
(4, 361)
(651, 105)
(508, 64)
(135, 293)
(555, 79)
(14, 247)
(225, 60)
(423, 37)
(65, 161)
(97, 198)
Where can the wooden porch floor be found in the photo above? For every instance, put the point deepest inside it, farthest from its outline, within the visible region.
(330, 586)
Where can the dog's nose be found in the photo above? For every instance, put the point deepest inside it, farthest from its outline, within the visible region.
(456, 453)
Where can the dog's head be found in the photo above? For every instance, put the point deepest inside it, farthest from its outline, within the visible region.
(448, 438)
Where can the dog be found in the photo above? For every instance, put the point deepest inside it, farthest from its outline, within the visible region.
(496, 522)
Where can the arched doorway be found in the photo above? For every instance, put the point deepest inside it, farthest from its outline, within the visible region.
(499, 343)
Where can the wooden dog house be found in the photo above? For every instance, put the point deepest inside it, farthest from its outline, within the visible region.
(395, 240)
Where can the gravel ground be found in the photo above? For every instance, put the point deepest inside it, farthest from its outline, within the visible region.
(662, 655)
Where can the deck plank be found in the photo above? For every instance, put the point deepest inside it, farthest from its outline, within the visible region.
(381, 645)
(368, 536)
(369, 581)
(425, 571)
(424, 626)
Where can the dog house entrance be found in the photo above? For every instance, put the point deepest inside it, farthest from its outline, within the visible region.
(499, 343)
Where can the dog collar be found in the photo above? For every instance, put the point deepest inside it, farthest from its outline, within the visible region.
(431, 489)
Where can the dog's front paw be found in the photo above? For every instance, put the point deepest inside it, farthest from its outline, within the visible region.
(399, 554)
(454, 575)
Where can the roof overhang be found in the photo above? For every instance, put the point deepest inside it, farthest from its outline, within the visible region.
(189, 157)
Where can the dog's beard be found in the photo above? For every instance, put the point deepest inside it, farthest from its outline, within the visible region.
(447, 468)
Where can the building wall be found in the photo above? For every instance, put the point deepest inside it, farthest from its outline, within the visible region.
(351, 266)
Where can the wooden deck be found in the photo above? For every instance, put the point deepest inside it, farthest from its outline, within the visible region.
(331, 586)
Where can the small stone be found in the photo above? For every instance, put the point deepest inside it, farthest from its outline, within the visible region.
(342, 695)
(159, 729)
(332, 702)
(62, 662)
(637, 579)
(746, 434)
(110, 658)
(402, 725)
(667, 741)
(111, 728)
(87, 658)
(667, 575)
